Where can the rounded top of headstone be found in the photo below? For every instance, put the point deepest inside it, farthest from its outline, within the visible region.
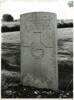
(47, 13)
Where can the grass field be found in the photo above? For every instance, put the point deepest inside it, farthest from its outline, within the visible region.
(11, 67)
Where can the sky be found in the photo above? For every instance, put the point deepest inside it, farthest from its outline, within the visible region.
(17, 7)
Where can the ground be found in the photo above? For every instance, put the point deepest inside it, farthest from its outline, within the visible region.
(11, 83)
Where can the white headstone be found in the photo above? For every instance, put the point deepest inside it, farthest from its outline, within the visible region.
(38, 50)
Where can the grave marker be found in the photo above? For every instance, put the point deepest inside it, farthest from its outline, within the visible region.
(38, 50)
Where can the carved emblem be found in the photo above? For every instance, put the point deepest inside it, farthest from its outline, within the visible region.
(37, 50)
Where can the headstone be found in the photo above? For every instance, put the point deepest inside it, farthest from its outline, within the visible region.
(38, 50)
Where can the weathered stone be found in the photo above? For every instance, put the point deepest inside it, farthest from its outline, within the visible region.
(38, 50)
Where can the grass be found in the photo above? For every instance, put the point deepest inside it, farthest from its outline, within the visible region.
(10, 78)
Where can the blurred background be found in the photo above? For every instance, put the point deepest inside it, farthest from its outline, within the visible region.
(10, 48)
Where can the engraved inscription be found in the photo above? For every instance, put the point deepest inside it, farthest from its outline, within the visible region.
(42, 26)
(37, 22)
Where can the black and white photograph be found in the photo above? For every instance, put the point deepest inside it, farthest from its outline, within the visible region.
(36, 48)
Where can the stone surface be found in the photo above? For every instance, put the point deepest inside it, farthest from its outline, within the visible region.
(38, 50)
